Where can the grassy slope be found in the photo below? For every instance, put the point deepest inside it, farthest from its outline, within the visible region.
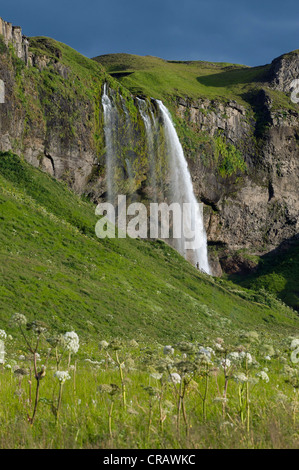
(54, 268)
(195, 79)
(277, 273)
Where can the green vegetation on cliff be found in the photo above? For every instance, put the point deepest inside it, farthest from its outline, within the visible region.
(277, 273)
(165, 79)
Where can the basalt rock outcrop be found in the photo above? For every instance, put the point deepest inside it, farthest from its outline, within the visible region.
(13, 35)
(283, 71)
(259, 209)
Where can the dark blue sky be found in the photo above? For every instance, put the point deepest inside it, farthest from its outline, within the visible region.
(248, 32)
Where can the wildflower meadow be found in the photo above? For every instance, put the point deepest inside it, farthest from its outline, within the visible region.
(60, 391)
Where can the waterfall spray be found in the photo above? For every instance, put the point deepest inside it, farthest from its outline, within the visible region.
(110, 123)
(150, 129)
(182, 192)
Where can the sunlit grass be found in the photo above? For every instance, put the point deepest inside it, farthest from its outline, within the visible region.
(158, 412)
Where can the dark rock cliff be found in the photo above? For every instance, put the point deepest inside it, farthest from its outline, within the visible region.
(257, 210)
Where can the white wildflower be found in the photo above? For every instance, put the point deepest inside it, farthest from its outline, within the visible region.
(240, 378)
(156, 375)
(210, 350)
(71, 341)
(18, 319)
(168, 350)
(2, 352)
(175, 378)
(234, 356)
(204, 352)
(94, 363)
(221, 399)
(62, 376)
(267, 358)
(295, 343)
(225, 363)
(2, 334)
(246, 357)
(263, 376)
(103, 344)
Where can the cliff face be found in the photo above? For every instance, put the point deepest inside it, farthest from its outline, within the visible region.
(244, 162)
(259, 209)
(50, 106)
(283, 71)
(13, 35)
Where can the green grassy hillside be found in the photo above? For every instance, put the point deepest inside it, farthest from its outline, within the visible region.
(164, 79)
(55, 269)
(278, 273)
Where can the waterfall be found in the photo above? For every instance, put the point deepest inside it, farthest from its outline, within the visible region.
(182, 192)
(119, 134)
(150, 129)
(110, 126)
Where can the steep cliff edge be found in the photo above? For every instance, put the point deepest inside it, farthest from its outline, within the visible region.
(50, 111)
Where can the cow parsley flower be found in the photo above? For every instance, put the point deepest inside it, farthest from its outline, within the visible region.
(240, 378)
(204, 352)
(2, 334)
(103, 344)
(156, 375)
(221, 399)
(263, 376)
(175, 378)
(71, 341)
(18, 319)
(62, 376)
(234, 356)
(2, 352)
(168, 350)
(295, 343)
(225, 363)
(246, 357)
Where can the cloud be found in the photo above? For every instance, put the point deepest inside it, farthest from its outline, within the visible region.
(233, 31)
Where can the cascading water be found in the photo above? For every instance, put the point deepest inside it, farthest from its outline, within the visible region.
(110, 121)
(150, 129)
(192, 242)
(182, 192)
